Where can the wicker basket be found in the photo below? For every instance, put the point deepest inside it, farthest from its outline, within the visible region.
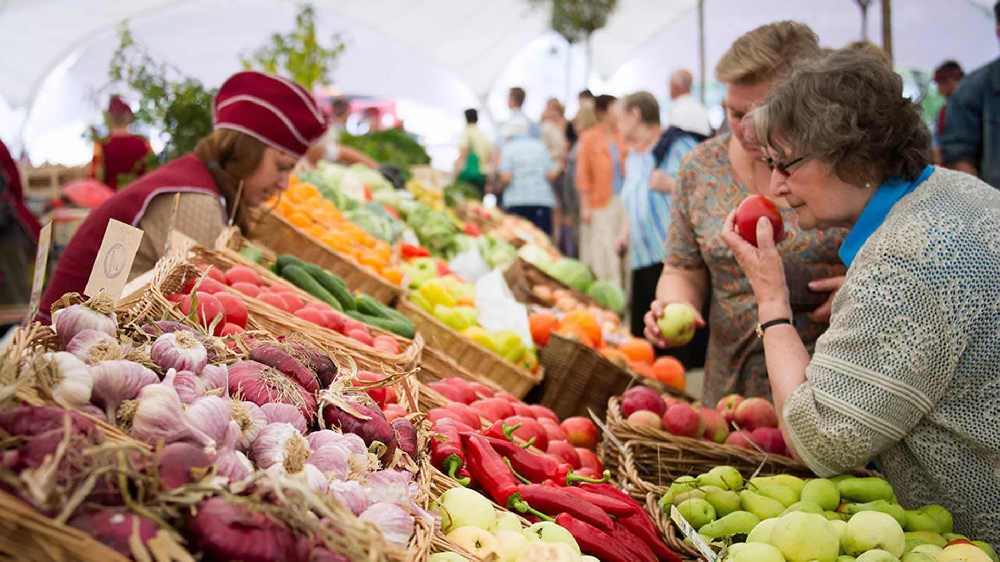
(436, 366)
(671, 536)
(472, 356)
(274, 232)
(523, 277)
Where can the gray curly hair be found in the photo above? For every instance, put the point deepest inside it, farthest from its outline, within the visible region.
(848, 110)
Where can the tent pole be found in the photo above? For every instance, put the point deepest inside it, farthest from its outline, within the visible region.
(701, 45)
(887, 27)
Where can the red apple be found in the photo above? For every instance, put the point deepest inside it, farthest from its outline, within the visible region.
(210, 311)
(755, 412)
(769, 439)
(751, 210)
(642, 398)
(740, 439)
(715, 426)
(589, 461)
(236, 310)
(522, 409)
(506, 396)
(206, 285)
(481, 390)
(176, 297)
(543, 412)
(493, 409)
(529, 429)
(645, 418)
(469, 416)
(727, 406)
(552, 429)
(682, 420)
(214, 272)
(292, 301)
(580, 432)
(247, 289)
(564, 452)
(243, 274)
(230, 329)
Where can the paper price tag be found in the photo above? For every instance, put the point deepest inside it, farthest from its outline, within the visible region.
(41, 263)
(690, 533)
(114, 260)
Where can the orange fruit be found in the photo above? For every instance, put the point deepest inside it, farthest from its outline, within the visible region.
(542, 324)
(393, 276)
(643, 369)
(300, 219)
(574, 332)
(669, 370)
(587, 323)
(638, 350)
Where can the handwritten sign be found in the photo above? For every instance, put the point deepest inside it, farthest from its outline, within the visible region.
(691, 534)
(41, 262)
(114, 260)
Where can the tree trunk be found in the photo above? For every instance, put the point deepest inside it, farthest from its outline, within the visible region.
(586, 68)
(569, 73)
(864, 22)
(887, 27)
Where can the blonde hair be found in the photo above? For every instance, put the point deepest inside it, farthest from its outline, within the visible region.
(584, 119)
(554, 110)
(231, 156)
(768, 51)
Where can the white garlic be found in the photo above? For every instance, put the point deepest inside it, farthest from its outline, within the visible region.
(73, 383)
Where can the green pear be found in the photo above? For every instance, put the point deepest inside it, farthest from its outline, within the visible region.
(736, 522)
(761, 506)
(787, 496)
(931, 549)
(808, 507)
(804, 537)
(840, 526)
(692, 495)
(870, 530)
(822, 492)
(762, 532)
(679, 486)
(840, 478)
(953, 537)
(987, 549)
(754, 552)
(724, 501)
(918, 557)
(833, 516)
(876, 555)
(724, 477)
(697, 512)
(917, 520)
(926, 537)
(895, 510)
(793, 482)
(863, 490)
(845, 558)
(940, 515)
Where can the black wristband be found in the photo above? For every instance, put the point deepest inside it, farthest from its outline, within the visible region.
(766, 325)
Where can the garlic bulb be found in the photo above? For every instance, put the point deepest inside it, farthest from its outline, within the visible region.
(116, 382)
(159, 415)
(331, 460)
(211, 415)
(349, 494)
(96, 314)
(213, 377)
(72, 382)
(229, 462)
(278, 412)
(179, 350)
(251, 421)
(186, 385)
(92, 346)
(281, 443)
(309, 474)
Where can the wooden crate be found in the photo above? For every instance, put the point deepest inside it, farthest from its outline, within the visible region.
(45, 182)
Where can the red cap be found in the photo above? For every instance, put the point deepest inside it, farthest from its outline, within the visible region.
(272, 109)
(118, 108)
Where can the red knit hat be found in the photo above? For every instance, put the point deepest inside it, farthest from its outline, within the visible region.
(118, 108)
(272, 109)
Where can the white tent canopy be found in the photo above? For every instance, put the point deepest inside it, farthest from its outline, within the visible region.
(448, 54)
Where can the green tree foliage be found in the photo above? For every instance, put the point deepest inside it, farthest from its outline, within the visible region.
(577, 20)
(298, 55)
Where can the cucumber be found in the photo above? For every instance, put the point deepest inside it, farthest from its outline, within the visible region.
(304, 281)
(283, 260)
(253, 254)
(404, 329)
(368, 305)
(333, 284)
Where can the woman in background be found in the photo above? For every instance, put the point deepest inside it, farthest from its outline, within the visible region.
(566, 191)
(525, 175)
(122, 157)
(18, 238)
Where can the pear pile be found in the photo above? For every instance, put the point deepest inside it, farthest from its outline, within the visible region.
(784, 518)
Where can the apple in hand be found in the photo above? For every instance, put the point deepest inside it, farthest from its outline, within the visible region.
(476, 541)
(677, 325)
(462, 507)
(751, 210)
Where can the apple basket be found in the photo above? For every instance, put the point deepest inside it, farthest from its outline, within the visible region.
(523, 277)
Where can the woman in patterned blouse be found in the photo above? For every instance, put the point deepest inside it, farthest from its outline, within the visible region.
(713, 180)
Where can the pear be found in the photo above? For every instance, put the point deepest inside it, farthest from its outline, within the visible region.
(761, 506)
(953, 536)
(940, 515)
(793, 482)
(679, 486)
(785, 495)
(754, 552)
(865, 490)
(926, 537)
(804, 537)
(724, 501)
(762, 532)
(896, 511)
(918, 557)
(876, 555)
(917, 520)
(870, 530)
(931, 549)
(833, 516)
(845, 558)
(724, 477)
(697, 512)
(692, 495)
(840, 478)
(736, 522)
(987, 549)
(808, 507)
(822, 492)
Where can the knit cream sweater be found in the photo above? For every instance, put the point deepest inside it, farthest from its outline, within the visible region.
(909, 370)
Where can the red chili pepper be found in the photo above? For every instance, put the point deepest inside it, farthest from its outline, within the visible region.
(471, 230)
(501, 430)
(408, 251)
(630, 541)
(464, 474)
(391, 212)
(554, 501)
(613, 507)
(489, 470)
(639, 524)
(442, 268)
(446, 449)
(539, 468)
(596, 542)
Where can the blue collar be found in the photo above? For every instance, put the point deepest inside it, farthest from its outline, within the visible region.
(887, 195)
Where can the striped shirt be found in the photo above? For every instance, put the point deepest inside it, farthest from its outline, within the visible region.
(527, 160)
(648, 211)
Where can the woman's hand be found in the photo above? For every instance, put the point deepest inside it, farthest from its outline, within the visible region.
(652, 331)
(830, 285)
(763, 268)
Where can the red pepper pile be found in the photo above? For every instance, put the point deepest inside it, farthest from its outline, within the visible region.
(605, 522)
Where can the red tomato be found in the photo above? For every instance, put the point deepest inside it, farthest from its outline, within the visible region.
(272, 299)
(214, 273)
(311, 315)
(393, 411)
(243, 274)
(751, 210)
(319, 305)
(176, 297)
(279, 288)
(248, 289)
(231, 329)
(207, 285)
(386, 343)
(209, 308)
(360, 335)
(334, 321)
(236, 310)
(292, 301)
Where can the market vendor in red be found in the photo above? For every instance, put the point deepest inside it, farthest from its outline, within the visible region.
(123, 155)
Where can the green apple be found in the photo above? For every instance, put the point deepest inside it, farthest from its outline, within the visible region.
(462, 507)
(868, 530)
(476, 541)
(446, 557)
(878, 555)
(551, 533)
(541, 551)
(677, 323)
(507, 521)
(754, 552)
(511, 544)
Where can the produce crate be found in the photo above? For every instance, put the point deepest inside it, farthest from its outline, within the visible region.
(523, 277)
(45, 182)
(474, 357)
(671, 535)
(281, 236)
(436, 366)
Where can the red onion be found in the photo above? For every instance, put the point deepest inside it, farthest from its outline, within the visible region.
(223, 531)
(33, 420)
(115, 529)
(261, 385)
(177, 460)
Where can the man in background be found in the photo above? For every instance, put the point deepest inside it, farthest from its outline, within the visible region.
(946, 77)
(515, 101)
(474, 151)
(689, 126)
(971, 139)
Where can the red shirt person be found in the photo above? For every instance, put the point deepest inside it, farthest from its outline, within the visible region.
(263, 125)
(123, 154)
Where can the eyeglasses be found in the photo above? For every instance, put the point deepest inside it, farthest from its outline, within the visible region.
(783, 168)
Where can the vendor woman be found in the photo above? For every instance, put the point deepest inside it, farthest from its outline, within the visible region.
(263, 125)
(907, 373)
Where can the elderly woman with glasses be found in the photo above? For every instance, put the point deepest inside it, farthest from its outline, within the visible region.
(909, 371)
(713, 179)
